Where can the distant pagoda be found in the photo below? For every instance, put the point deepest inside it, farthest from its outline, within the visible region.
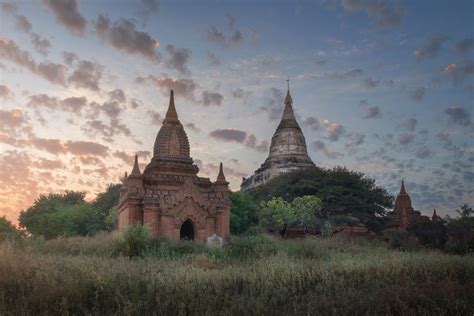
(403, 214)
(287, 151)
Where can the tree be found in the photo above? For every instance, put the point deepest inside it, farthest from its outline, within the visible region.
(42, 218)
(461, 230)
(430, 233)
(243, 212)
(106, 203)
(342, 192)
(7, 229)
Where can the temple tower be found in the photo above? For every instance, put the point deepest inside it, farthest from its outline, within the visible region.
(403, 213)
(169, 197)
(288, 150)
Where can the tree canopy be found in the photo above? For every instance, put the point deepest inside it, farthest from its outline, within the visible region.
(7, 229)
(69, 214)
(342, 192)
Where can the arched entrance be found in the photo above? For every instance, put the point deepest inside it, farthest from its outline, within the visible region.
(187, 230)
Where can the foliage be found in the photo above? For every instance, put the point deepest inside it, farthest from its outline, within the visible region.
(7, 229)
(69, 214)
(256, 275)
(461, 231)
(44, 217)
(243, 212)
(430, 233)
(275, 214)
(105, 202)
(134, 241)
(400, 239)
(342, 192)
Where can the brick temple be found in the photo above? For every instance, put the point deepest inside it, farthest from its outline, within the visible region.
(288, 150)
(169, 196)
(403, 214)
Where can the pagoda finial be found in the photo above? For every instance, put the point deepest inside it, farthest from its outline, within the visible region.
(435, 216)
(171, 114)
(220, 176)
(288, 98)
(136, 168)
(402, 188)
(125, 178)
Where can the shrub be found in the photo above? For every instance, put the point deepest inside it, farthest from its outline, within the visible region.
(134, 241)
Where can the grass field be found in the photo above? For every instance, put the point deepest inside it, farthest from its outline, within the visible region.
(253, 276)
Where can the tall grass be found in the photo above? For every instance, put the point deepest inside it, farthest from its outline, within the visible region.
(254, 275)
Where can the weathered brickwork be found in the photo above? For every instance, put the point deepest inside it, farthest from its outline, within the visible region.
(287, 151)
(169, 196)
(403, 214)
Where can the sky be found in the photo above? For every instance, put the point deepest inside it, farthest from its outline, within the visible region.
(382, 87)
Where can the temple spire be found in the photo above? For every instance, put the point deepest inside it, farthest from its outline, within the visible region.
(171, 114)
(402, 188)
(136, 168)
(220, 176)
(435, 216)
(288, 98)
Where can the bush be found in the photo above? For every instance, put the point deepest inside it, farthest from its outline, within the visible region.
(400, 239)
(134, 241)
(430, 233)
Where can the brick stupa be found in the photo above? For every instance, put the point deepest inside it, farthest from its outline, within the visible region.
(403, 214)
(169, 196)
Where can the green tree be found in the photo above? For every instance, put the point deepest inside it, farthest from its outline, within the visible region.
(105, 203)
(461, 230)
(275, 214)
(430, 233)
(243, 212)
(342, 192)
(41, 219)
(7, 229)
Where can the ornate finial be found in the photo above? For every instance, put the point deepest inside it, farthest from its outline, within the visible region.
(171, 114)
(220, 176)
(435, 216)
(402, 188)
(288, 98)
(125, 178)
(136, 169)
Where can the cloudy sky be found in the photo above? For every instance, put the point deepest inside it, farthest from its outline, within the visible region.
(382, 87)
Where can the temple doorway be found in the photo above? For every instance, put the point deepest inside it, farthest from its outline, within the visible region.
(187, 230)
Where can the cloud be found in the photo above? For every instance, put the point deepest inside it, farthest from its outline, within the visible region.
(71, 104)
(54, 73)
(238, 136)
(312, 122)
(384, 14)
(122, 34)
(83, 148)
(87, 75)
(357, 139)
(241, 94)
(128, 159)
(155, 117)
(43, 163)
(464, 46)
(459, 115)
(211, 98)
(69, 58)
(40, 44)
(192, 127)
(273, 104)
(411, 124)
(334, 130)
(405, 138)
(152, 6)
(418, 94)
(322, 147)
(5, 92)
(349, 74)
(373, 112)
(431, 47)
(371, 83)
(96, 128)
(459, 71)
(213, 59)
(178, 57)
(67, 13)
(181, 87)
(23, 23)
(117, 95)
(214, 35)
(423, 152)
(11, 120)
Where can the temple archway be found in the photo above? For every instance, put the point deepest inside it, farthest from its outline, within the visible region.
(187, 230)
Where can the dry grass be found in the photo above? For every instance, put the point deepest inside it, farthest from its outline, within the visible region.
(254, 276)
